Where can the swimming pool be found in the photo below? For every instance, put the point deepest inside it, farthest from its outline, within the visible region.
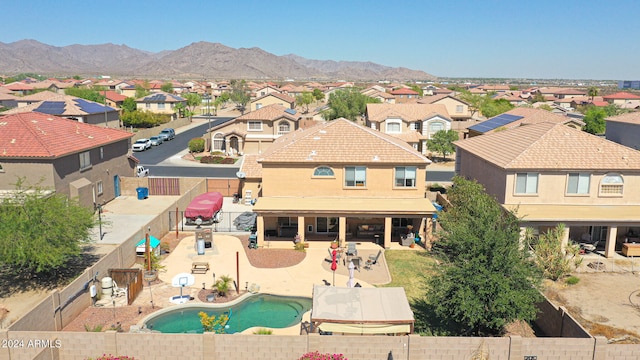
(263, 310)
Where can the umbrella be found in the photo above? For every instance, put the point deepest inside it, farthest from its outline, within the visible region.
(334, 265)
(351, 271)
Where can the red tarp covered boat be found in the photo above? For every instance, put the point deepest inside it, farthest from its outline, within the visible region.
(207, 206)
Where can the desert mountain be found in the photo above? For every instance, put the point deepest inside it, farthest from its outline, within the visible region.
(198, 60)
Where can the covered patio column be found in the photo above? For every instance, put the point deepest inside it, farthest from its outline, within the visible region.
(260, 230)
(387, 232)
(610, 246)
(301, 227)
(342, 230)
(565, 238)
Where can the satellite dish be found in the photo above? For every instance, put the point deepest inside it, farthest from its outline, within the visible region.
(241, 175)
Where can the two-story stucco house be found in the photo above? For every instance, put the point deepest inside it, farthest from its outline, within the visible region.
(160, 103)
(273, 98)
(624, 129)
(71, 158)
(413, 123)
(341, 180)
(457, 109)
(521, 116)
(551, 173)
(253, 132)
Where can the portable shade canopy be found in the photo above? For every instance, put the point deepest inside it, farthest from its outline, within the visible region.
(154, 243)
(361, 310)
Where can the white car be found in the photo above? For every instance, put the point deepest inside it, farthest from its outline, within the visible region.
(141, 145)
(156, 140)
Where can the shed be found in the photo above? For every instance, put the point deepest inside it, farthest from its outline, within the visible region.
(153, 241)
(361, 310)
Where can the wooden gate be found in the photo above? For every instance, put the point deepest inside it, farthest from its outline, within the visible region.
(129, 278)
(164, 186)
(227, 187)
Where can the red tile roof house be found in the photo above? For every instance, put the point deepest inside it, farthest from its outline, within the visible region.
(620, 98)
(71, 158)
(551, 173)
(404, 95)
(624, 129)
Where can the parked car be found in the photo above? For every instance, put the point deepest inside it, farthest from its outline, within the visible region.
(141, 171)
(156, 140)
(141, 145)
(168, 133)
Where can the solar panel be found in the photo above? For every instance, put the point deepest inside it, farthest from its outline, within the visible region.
(290, 111)
(51, 107)
(91, 107)
(495, 122)
(156, 97)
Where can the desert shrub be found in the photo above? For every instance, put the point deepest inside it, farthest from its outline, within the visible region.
(572, 280)
(196, 145)
(263, 332)
(95, 328)
(299, 246)
(318, 356)
(222, 285)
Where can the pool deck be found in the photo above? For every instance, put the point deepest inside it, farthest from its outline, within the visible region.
(297, 280)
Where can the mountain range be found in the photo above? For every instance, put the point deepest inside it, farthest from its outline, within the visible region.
(199, 60)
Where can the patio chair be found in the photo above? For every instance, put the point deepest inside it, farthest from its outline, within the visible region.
(372, 260)
(351, 249)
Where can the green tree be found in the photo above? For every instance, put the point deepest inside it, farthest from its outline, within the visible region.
(143, 119)
(129, 104)
(142, 90)
(212, 323)
(347, 103)
(318, 95)
(92, 94)
(615, 109)
(552, 259)
(538, 97)
(193, 100)
(594, 120)
(475, 101)
(484, 279)
(304, 99)
(545, 107)
(442, 142)
(416, 88)
(220, 102)
(41, 232)
(592, 92)
(167, 87)
(491, 108)
(240, 94)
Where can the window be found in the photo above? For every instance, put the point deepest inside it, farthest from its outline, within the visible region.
(85, 160)
(459, 108)
(254, 125)
(355, 176)
(406, 176)
(393, 126)
(436, 126)
(417, 125)
(283, 127)
(160, 106)
(323, 171)
(578, 183)
(326, 225)
(148, 105)
(99, 186)
(101, 152)
(527, 183)
(258, 106)
(218, 141)
(611, 184)
(1, 168)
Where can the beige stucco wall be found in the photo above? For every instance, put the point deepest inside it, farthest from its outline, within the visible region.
(452, 104)
(13, 169)
(269, 100)
(294, 180)
(552, 187)
(485, 173)
(255, 141)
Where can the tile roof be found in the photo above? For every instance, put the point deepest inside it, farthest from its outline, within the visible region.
(63, 105)
(631, 118)
(18, 86)
(535, 116)
(435, 98)
(551, 146)
(621, 96)
(114, 96)
(250, 166)
(408, 112)
(39, 96)
(269, 112)
(404, 91)
(344, 142)
(37, 135)
(283, 97)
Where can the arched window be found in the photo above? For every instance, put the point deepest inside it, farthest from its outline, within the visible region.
(218, 140)
(283, 127)
(611, 184)
(323, 171)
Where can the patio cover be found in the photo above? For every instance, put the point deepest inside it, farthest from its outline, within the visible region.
(577, 213)
(361, 310)
(344, 205)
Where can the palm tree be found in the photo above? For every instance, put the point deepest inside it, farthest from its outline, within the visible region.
(593, 92)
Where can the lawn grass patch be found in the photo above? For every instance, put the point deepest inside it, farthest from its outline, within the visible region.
(409, 270)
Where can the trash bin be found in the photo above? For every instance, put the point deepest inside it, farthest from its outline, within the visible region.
(143, 193)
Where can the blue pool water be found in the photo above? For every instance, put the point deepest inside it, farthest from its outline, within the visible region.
(262, 310)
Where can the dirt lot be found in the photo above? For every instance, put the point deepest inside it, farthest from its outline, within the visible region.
(606, 304)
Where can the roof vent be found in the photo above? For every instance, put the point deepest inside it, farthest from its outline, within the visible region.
(322, 131)
(316, 138)
(376, 158)
(313, 152)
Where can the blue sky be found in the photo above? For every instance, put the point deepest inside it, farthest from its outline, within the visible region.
(570, 39)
